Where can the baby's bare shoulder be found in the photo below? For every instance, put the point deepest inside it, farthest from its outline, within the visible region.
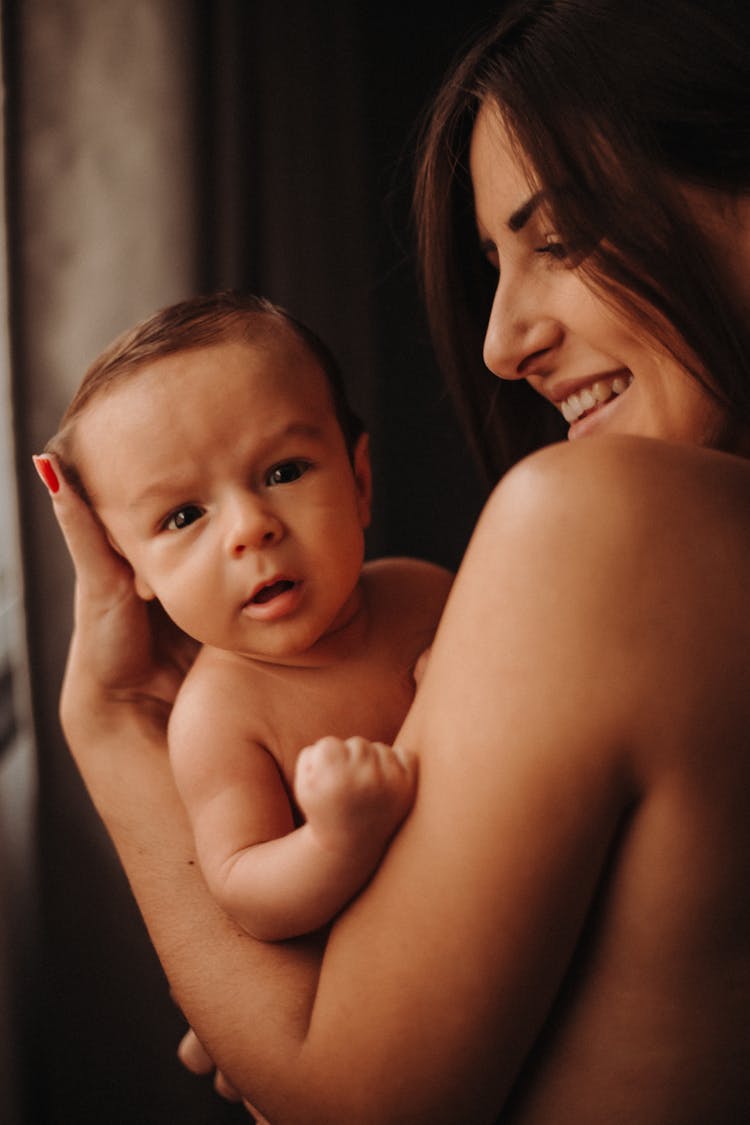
(221, 695)
(404, 580)
(216, 670)
(406, 598)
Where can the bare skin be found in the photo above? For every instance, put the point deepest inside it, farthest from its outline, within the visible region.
(565, 908)
(249, 529)
(275, 876)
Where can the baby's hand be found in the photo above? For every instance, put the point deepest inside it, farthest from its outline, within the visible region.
(353, 791)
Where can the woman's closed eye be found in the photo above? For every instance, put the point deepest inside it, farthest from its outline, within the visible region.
(553, 248)
(286, 472)
(182, 517)
(490, 255)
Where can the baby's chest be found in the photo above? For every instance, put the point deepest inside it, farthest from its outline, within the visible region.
(372, 706)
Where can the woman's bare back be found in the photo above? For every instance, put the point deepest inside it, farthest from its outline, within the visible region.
(585, 799)
(650, 1025)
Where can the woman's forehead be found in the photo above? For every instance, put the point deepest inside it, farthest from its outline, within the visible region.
(500, 174)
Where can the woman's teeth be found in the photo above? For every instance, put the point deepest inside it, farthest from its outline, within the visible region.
(576, 405)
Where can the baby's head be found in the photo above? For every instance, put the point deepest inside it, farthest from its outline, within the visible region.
(217, 447)
(198, 322)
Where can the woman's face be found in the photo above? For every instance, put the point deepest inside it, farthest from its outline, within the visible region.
(547, 327)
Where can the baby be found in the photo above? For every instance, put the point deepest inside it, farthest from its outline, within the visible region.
(216, 445)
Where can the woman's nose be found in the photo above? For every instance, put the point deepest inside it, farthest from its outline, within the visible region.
(252, 525)
(519, 340)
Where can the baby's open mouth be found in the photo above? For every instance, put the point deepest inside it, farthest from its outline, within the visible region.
(273, 590)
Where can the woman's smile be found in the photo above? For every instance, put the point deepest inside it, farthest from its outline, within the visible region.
(580, 404)
(547, 325)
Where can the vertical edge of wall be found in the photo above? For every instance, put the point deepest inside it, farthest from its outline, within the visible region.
(17, 763)
(102, 231)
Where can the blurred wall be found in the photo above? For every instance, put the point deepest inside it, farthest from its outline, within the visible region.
(17, 763)
(102, 208)
(157, 148)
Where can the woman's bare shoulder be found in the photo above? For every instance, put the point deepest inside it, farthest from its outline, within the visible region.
(606, 568)
(623, 495)
(635, 551)
(616, 470)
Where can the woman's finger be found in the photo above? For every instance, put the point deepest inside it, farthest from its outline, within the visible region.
(259, 1119)
(225, 1089)
(98, 567)
(193, 1055)
(113, 641)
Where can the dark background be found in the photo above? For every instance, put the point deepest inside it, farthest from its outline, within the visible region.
(295, 129)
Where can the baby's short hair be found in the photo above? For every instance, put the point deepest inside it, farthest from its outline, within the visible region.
(195, 323)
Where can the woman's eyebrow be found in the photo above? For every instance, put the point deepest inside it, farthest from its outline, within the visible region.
(522, 214)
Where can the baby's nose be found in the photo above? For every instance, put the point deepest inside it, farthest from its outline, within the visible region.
(252, 527)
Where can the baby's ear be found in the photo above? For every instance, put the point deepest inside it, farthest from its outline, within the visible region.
(363, 478)
(142, 589)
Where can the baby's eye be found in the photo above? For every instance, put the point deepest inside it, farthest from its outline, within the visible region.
(286, 472)
(183, 517)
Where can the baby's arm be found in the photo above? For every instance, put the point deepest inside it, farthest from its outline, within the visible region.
(275, 880)
(354, 794)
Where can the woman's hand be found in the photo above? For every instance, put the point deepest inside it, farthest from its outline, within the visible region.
(124, 651)
(194, 1056)
(125, 667)
(126, 664)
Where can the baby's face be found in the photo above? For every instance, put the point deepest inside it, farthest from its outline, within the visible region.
(222, 475)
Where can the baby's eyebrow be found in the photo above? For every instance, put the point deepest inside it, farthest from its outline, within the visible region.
(299, 429)
(166, 486)
(152, 492)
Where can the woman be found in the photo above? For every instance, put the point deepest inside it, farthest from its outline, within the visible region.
(561, 930)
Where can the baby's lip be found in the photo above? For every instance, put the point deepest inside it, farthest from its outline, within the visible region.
(275, 599)
(269, 589)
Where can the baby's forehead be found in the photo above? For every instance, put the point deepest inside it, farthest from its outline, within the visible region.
(270, 349)
(265, 372)
(272, 366)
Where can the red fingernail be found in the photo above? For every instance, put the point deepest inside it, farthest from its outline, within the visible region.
(47, 473)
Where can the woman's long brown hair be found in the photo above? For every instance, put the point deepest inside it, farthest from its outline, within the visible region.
(613, 105)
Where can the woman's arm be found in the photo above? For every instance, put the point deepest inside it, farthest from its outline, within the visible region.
(436, 981)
